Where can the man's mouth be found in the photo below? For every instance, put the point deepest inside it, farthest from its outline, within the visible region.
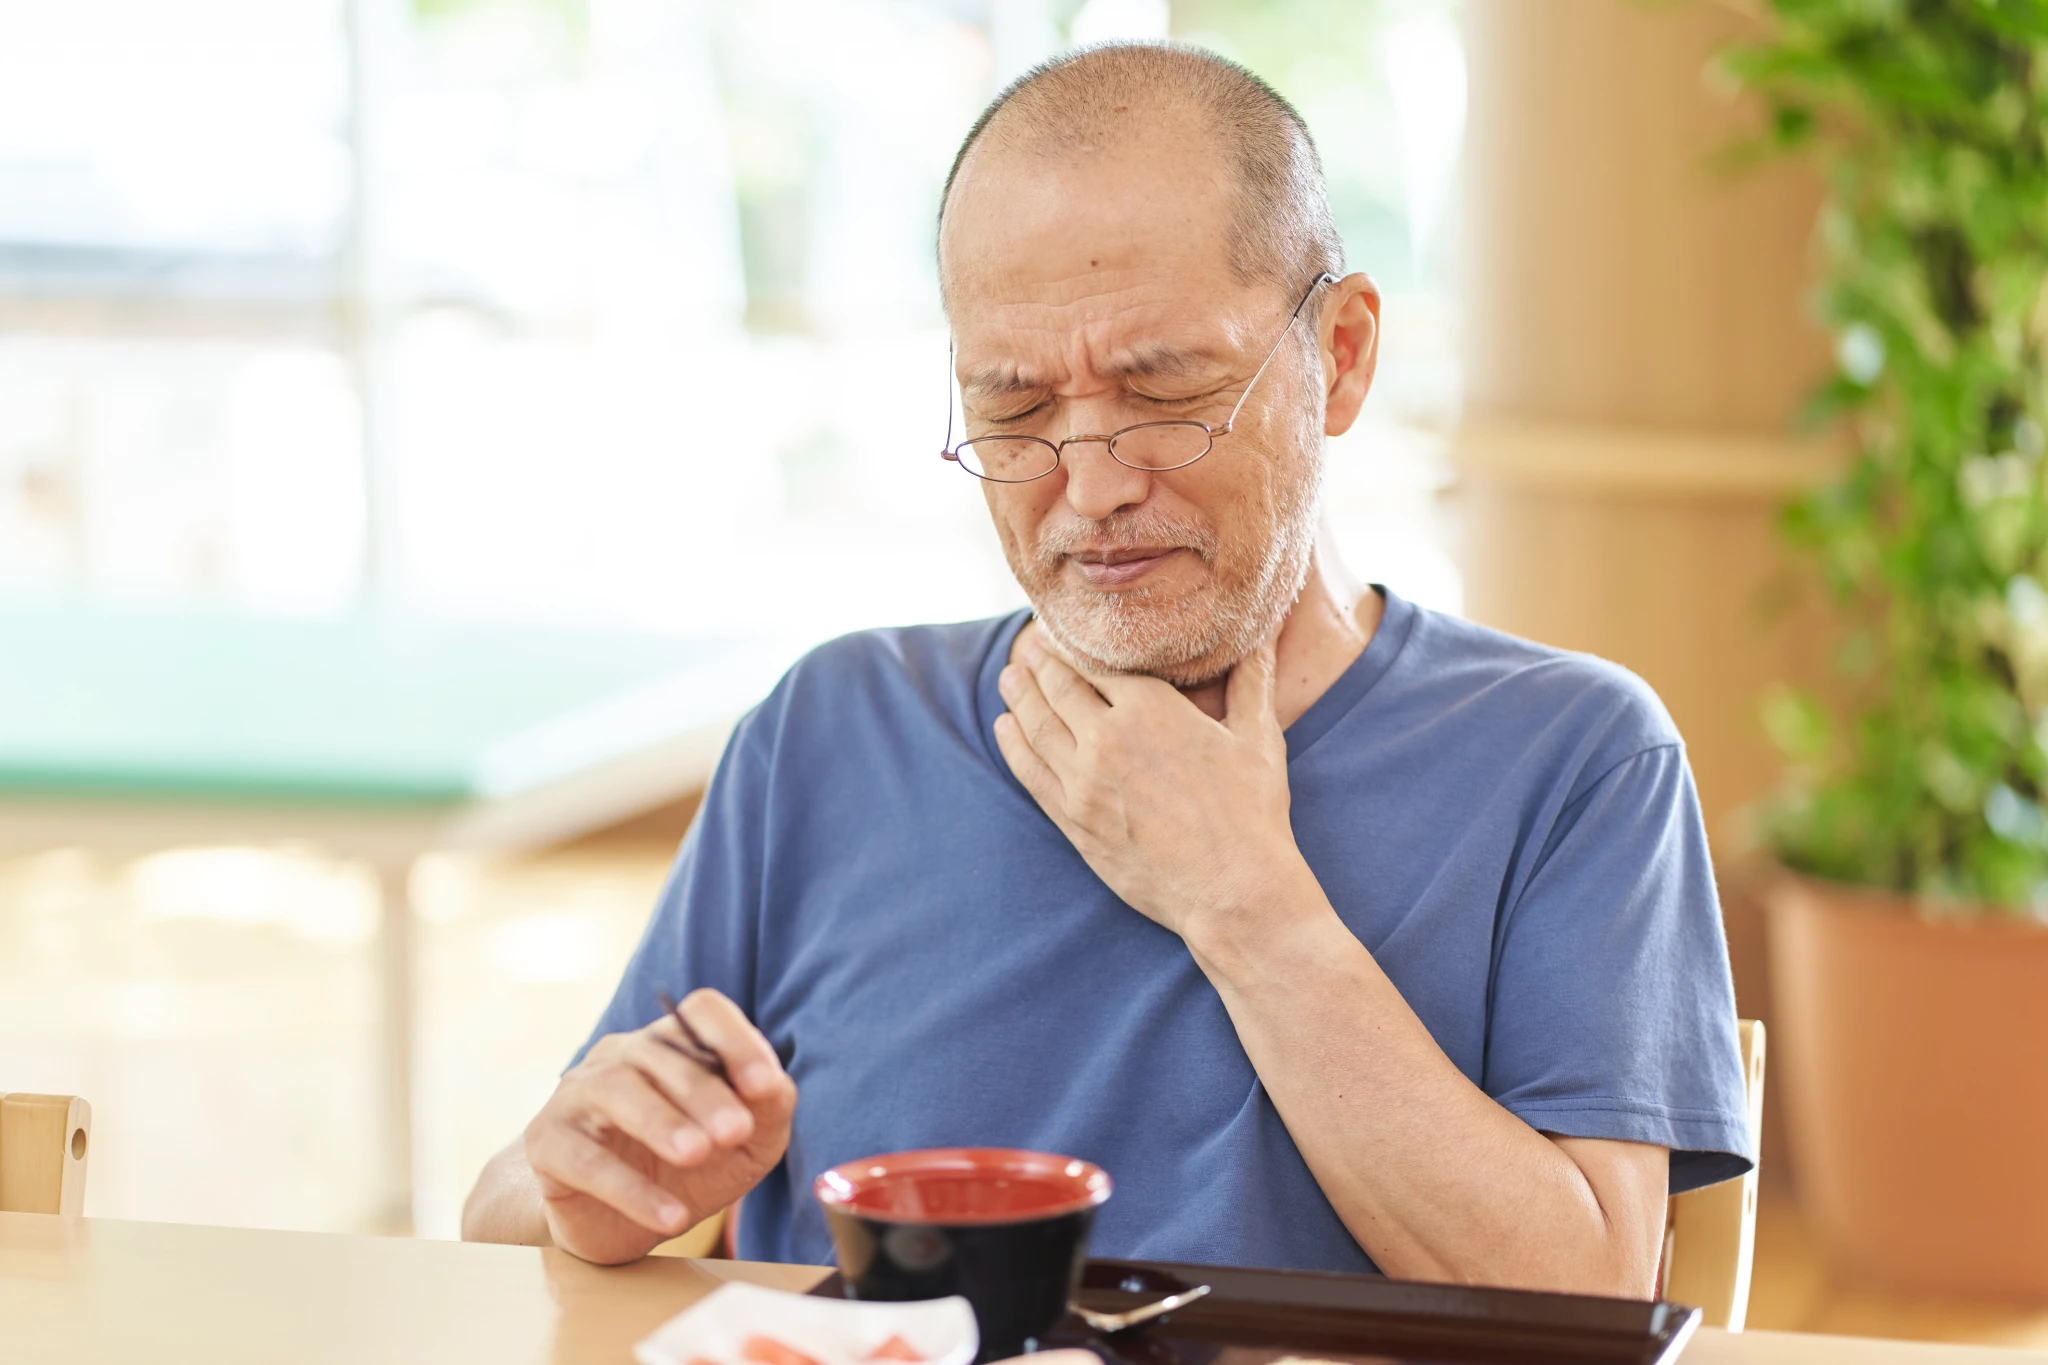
(1121, 566)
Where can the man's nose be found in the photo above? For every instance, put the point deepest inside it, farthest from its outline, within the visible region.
(1096, 484)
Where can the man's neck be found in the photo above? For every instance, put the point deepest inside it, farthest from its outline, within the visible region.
(1320, 637)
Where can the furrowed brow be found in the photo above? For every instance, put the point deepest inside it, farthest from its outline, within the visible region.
(999, 381)
(1160, 361)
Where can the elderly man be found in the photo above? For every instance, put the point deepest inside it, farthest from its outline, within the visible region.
(1343, 934)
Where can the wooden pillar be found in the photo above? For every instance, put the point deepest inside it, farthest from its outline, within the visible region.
(1636, 342)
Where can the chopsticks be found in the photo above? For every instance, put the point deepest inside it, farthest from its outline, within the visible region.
(691, 1044)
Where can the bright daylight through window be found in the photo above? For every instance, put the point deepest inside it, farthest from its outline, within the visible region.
(618, 315)
(617, 312)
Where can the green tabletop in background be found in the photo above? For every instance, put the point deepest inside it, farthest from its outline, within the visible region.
(375, 709)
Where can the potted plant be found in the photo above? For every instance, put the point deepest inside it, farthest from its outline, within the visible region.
(1909, 949)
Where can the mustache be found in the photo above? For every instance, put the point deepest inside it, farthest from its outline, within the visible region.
(1123, 530)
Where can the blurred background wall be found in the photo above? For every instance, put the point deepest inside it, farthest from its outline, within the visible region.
(1636, 343)
(605, 314)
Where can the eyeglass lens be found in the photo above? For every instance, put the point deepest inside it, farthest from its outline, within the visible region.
(1155, 445)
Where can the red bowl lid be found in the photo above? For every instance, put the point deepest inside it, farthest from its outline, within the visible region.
(955, 1185)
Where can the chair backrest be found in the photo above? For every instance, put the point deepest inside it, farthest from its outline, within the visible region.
(1709, 1233)
(43, 1143)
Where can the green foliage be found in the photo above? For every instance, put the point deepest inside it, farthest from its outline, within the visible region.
(1927, 119)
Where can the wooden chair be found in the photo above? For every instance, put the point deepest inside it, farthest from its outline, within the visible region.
(1709, 1234)
(43, 1142)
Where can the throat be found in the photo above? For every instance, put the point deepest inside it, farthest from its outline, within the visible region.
(1207, 697)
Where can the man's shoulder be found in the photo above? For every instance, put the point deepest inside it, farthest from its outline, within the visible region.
(953, 651)
(1474, 672)
(926, 668)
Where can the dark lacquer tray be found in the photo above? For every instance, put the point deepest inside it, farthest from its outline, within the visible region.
(1251, 1317)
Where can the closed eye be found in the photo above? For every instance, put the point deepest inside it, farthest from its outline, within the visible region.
(1042, 410)
(1195, 400)
(1012, 419)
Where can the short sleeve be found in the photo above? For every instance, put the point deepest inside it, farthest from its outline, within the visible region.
(702, 931)
(1612, 1009)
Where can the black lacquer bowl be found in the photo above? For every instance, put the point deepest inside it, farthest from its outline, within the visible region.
(1006, 1230)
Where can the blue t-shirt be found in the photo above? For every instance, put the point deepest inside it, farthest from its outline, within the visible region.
(1511, 830)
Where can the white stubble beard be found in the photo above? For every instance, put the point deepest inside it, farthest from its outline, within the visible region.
(1181, 642)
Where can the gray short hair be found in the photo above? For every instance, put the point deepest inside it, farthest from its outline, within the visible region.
(1281, 231)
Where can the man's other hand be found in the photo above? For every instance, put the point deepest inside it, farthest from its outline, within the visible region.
(1184, 817)
(638, 1142)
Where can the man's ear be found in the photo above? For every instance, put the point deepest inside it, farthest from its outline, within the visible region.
(1351, 349)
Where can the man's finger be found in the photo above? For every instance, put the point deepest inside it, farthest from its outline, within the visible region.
(1248, 696)
(1042, 727)
(575, 1161)
(1034, 772)
(632, 1103)
(706, 1101)
(750, 1061)
(1126, 689)
(1070, 695)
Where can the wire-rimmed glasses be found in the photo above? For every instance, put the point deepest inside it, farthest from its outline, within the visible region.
(1152, 446)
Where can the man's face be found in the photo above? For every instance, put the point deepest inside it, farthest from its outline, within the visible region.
(1092, 292)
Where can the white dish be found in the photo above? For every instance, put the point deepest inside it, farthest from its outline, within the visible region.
(717, 1329)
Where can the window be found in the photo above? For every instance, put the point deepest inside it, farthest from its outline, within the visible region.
(619, 311)
(608, 311)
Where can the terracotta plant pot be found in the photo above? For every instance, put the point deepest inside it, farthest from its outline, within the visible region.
(1912, 1060)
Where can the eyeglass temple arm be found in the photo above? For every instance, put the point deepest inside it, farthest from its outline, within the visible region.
(1325, 278)
(946, 451)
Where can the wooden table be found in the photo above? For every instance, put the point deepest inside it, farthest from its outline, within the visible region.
(78, 1290)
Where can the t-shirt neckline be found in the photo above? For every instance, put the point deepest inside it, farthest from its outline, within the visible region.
(1397, 622)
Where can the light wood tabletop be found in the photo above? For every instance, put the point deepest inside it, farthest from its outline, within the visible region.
(78, 1290)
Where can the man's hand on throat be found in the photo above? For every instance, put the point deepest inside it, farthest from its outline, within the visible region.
(1184, 817)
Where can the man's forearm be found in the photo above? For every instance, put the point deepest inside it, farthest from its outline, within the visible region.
(505, 1206)
(1434, 1179)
